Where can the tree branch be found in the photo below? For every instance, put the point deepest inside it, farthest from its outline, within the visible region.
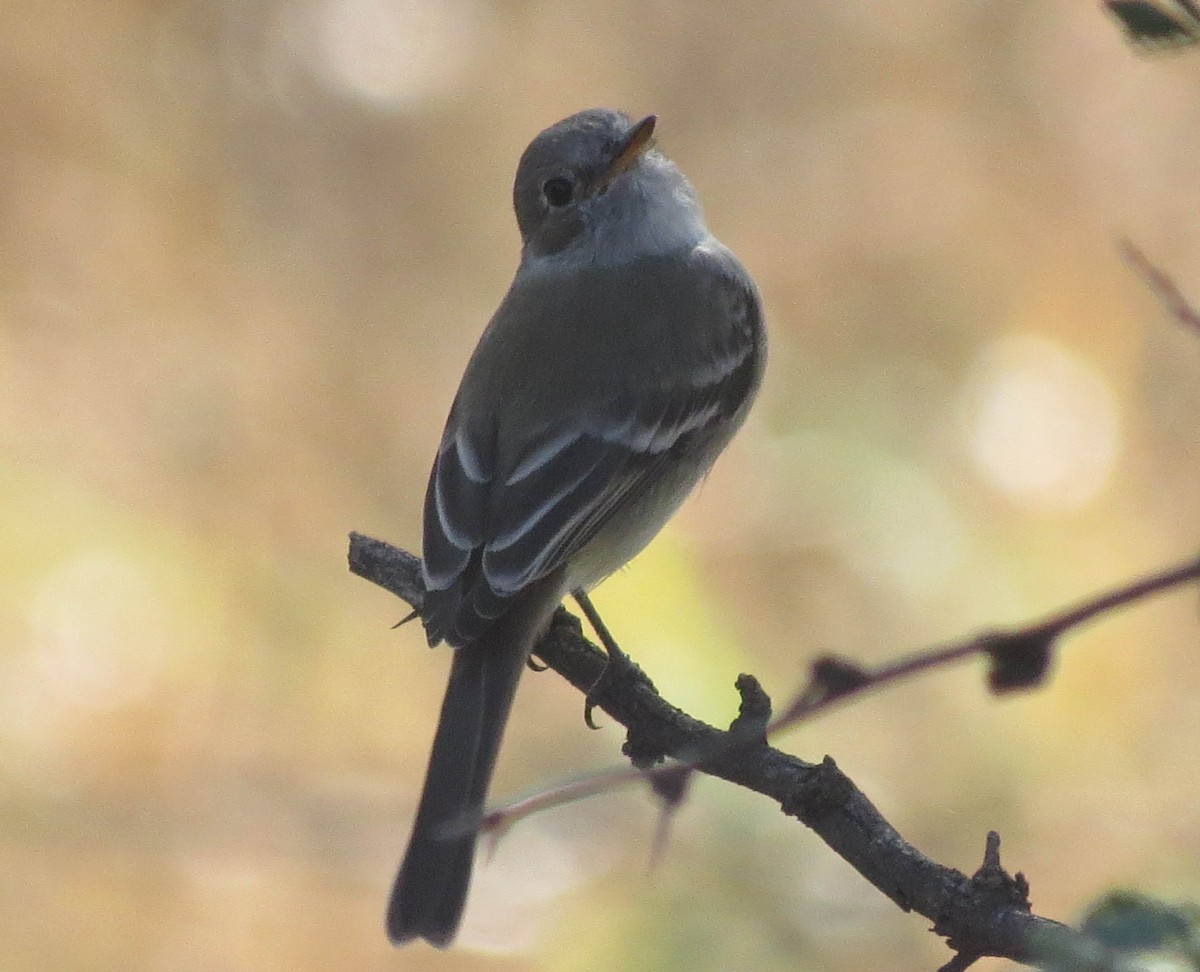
(987, 914)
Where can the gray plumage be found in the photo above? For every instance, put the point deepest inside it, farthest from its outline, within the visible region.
(620, 363)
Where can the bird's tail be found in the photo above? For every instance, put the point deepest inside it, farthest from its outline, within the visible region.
(431, 888)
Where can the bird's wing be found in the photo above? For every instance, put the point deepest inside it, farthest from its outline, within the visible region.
(491, 532)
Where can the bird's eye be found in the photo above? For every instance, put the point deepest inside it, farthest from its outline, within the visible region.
(558, 191)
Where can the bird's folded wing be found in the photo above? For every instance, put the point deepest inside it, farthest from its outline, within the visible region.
(488, 534)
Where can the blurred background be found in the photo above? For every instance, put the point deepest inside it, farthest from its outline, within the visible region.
(246, 247)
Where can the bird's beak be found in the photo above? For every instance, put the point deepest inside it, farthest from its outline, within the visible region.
(634, 148)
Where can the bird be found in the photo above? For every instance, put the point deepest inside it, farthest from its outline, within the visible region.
(623, 358)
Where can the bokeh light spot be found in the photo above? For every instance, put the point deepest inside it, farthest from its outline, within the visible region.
(100, 632)
(394, 51)
(1042, 424)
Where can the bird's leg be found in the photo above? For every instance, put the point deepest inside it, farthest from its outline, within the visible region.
(617, 663)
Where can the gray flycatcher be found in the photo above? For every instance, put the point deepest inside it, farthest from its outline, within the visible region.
(622, 360)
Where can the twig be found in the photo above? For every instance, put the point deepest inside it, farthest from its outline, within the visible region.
(1020, 657)
(1164, 288)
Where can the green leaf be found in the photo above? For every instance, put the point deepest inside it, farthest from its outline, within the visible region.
(1132, 922)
